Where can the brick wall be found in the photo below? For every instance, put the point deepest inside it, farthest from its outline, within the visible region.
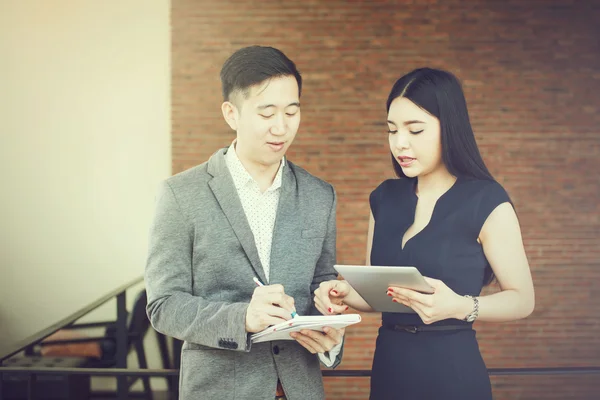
(531, 72)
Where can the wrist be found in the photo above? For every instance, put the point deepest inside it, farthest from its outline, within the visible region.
(464, 307)
(246, 318)
(472, 316)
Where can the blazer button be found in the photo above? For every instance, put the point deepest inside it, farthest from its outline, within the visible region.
(275, 349)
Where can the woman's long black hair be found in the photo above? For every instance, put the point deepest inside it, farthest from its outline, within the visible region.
(440, 94)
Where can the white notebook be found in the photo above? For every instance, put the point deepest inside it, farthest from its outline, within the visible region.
(314, 322)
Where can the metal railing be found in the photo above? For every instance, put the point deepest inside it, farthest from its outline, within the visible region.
(174, 373)
(120, 339)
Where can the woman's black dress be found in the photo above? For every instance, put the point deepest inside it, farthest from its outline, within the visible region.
(432, 364)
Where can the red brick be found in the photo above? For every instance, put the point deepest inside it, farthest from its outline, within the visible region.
(530, 73)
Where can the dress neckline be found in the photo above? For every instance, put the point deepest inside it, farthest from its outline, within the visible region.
(414, 202)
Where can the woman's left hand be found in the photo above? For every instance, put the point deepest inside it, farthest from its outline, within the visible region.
(444, 303)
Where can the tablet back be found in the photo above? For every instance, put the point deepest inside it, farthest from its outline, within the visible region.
(371, 282)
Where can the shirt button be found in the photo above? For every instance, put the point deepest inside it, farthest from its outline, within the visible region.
(275, 350)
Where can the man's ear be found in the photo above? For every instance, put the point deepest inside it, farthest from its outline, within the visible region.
(230, 113)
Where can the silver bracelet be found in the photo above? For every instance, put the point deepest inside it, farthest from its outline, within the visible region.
(472, 316)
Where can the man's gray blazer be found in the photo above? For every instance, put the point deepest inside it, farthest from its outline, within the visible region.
(201, 262)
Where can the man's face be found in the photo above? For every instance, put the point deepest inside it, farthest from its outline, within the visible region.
(266, 121)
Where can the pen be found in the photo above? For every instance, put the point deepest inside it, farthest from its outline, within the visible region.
(259, 283)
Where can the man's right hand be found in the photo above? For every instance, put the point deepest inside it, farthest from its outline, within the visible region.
(269, 306)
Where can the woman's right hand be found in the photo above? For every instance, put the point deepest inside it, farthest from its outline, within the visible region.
(329, 297)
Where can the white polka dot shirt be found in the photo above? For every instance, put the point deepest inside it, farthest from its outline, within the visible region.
(260, 208)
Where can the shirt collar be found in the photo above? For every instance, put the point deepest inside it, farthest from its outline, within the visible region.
(240, 175)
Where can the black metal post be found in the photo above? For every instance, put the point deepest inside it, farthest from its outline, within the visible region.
(30, 386)
(164, 350)
(1, 388)
(166, 360)
(141, 354)
(121, 361)
(177, 345)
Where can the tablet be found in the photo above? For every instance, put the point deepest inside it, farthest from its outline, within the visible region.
(371, 282)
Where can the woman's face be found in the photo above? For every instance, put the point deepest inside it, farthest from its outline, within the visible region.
(415, 138)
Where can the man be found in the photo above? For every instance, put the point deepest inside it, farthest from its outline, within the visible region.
(246, 213)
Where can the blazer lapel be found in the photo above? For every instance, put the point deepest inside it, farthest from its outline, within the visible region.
(229, 201)
(287, 223)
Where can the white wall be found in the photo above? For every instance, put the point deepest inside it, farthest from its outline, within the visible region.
(84, 141)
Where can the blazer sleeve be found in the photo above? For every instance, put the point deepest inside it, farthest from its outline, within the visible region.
(172, 309)
(324, 270)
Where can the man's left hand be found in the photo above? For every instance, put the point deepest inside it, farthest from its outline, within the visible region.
(317, 341)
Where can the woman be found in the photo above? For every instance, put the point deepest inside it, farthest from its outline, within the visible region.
(449, 218)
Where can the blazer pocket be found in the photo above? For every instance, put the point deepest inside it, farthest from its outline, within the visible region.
(210, 373)
(313, 234)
